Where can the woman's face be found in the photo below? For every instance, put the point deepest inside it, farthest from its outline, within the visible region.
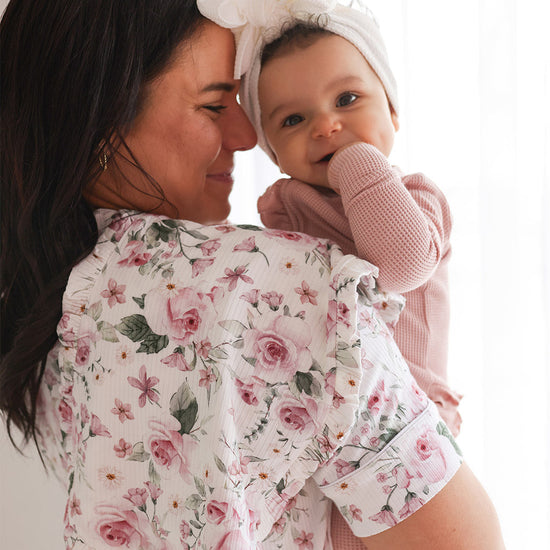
(189, 127)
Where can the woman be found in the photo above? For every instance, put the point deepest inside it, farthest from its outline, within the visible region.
(193, 384)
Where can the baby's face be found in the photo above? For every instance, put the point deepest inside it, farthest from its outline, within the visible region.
(318, 99)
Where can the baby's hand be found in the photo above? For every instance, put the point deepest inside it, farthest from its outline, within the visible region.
(334, 184)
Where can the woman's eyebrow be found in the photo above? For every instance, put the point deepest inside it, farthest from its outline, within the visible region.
(219, 87)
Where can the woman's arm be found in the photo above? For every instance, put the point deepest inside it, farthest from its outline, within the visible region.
(460, 517)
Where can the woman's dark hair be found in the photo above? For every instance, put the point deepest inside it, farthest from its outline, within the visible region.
(72, 79)
(297, 35)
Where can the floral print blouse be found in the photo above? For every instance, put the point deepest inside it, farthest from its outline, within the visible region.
(216, 387)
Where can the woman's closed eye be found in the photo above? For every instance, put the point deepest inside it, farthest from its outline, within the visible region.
(345, 99)
(292, 120)
(218, 109)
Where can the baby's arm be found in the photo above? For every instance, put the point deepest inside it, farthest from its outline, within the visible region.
(399, 224)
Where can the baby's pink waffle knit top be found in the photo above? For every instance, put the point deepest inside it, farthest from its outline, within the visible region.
(400, 223)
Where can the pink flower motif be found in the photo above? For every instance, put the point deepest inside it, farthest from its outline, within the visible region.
(343, 468)
(238, 467)
(123, 528)
(135, 254)
(138, 497)
(411, 506)
(377, 398)
(207, 378)
(279, 525)
(209, 247)
(176, 360)
(233, 276)
(429, 461)
(199, 265)
(356, 513)
(66, 413)
(381, 477)
(74, 506)
(338, 313)
(97, 428)
(203, 348)
(170, 450)
(123, 410)
(114, 293)
(185, 530)
(248, 245)
(120, 224)
(225, 228)
(123, 449)
(230, 541)
(216, 511)
(251, 297)
(325, 444)
(303, 540)
(182, 314)
(145, 384)
(306, 294)
(279, 349)
(402, 477)
(154, 490)
(385, 517)
(273, 299)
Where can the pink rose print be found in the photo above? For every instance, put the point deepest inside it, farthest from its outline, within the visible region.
(146, 385)
(123, 528)
(66, 414)
(303, 540)
(249, 392)
(225, 228)
(135, 254)
(97, 428)
(123, 410)
(402, 477)
(240, 466)
(120, 224)
(123, 449)
(411, 506)
(209, 247)
(114, 293)
(429, 459)
(170, 450)
(176, 360)
(356, 513)
(343, 468)
(138, 497)
(232, 277)
(199, 265)
(185, 530)
(279, 349)
(232, 540)
(301, 415)
(216, 511)
(377, 398)
(306, 294)
(182, 314)
(88, 336)
(385, 517)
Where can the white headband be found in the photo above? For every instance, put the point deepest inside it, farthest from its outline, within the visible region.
(256, 23)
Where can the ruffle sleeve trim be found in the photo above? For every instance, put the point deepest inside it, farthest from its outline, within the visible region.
(350, 277)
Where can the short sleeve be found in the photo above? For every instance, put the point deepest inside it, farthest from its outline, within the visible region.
(398, 453)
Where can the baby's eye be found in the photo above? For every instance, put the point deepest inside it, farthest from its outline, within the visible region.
(346, 99)
(292, 120)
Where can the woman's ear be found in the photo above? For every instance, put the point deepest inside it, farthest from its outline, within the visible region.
(395, 120)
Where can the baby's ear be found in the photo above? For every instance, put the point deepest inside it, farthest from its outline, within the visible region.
(395, 120)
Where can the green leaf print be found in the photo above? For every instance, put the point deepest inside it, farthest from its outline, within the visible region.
(139, 454)
(134, 327)
(304, 382)
(236, 328)
(153, 343)
(184, 408)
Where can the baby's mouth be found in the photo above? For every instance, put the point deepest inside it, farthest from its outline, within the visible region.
(327, 158)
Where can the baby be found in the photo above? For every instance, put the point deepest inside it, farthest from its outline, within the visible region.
(324, 103)
(318, 87)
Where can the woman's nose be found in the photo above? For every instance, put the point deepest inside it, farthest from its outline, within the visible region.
(325, 125)
(237, 131)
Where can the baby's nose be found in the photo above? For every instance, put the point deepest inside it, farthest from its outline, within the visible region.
(325, 125)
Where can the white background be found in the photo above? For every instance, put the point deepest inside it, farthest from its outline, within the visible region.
(474, 84)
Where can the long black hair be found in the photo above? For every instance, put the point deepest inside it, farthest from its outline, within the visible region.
(72, 78)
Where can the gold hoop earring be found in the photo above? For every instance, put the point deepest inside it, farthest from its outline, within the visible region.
(103, 160)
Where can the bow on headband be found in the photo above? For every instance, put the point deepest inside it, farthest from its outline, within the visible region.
(250, 19)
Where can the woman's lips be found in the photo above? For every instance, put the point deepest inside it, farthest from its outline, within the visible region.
(223, 177)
